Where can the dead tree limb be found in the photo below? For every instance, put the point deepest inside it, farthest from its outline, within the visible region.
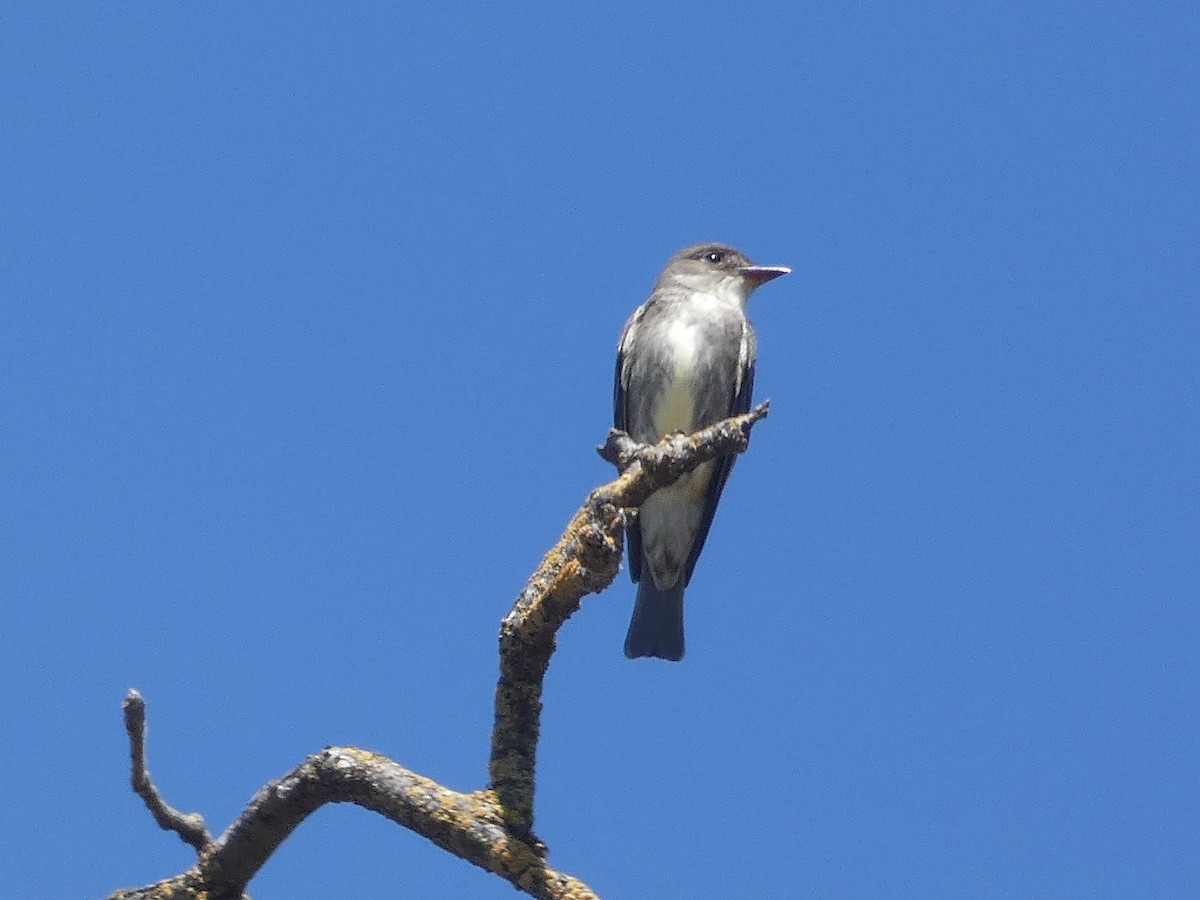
(491, 828)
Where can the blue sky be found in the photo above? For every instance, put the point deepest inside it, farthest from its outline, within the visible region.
(306, 336)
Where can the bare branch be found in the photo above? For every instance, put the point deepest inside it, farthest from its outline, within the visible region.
(189, 826)
(470, 826)
(493, 828)
(585, 560)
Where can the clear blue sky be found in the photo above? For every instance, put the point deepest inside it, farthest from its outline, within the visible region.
(307, 324)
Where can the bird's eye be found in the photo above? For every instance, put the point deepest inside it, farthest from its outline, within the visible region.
(715, 256)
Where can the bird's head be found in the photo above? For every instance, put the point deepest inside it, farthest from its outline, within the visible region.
(719, 270)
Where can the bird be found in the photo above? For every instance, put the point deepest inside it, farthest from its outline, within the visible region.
(685, 360)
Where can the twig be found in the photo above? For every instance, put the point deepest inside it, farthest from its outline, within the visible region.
(189, 826)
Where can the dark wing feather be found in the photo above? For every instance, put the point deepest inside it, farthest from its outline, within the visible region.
(722, 468)
(633, 531)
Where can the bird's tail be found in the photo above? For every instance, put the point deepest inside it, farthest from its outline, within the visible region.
(656, 628)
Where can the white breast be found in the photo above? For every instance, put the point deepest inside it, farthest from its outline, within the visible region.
(676, 411)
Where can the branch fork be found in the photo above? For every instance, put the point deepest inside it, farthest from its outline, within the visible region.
(491, 828)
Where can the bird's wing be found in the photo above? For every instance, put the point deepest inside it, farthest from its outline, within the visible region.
(621, 420)
(743, 391)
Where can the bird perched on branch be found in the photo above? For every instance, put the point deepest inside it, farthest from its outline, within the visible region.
(685, 360)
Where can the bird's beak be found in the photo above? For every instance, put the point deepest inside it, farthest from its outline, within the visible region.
(760, 275)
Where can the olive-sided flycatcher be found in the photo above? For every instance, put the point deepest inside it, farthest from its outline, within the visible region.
(685, 361)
